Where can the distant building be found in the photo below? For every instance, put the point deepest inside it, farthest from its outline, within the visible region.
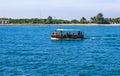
(4, 21)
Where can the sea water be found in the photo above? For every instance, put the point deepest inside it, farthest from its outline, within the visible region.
(29, 51)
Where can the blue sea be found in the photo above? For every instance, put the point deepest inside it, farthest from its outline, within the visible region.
(29, 51)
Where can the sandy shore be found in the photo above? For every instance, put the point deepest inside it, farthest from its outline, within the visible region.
(59, 24)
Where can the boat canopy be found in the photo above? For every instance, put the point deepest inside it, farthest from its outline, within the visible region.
(68, 30)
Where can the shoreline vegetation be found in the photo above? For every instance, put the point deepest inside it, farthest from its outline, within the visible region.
(59, 24)
(97, 20)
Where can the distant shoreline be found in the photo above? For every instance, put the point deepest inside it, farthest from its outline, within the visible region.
(59, 24)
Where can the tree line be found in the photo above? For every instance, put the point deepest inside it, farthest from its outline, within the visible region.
(98, 19)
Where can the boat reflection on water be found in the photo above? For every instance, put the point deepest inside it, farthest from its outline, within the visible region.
(67, 34)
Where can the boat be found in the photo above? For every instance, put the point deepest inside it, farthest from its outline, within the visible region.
(67, 34)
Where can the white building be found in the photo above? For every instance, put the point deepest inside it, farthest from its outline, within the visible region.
(4, 21)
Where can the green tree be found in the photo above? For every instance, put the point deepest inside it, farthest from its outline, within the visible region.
(49, 20)
(93, 19)
(100, 18)
(74, 21)
(106, 21)
(83, 20)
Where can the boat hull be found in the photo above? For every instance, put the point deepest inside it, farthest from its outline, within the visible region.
(65, 38)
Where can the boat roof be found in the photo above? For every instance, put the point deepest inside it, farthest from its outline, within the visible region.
(67, 29)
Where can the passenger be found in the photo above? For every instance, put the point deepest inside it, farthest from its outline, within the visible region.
(72, 36)
(55, 33)
(61, 33)
(78, 32)
(81, 33)
(69, 35)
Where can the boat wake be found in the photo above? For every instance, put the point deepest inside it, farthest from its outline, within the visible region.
(104, 38)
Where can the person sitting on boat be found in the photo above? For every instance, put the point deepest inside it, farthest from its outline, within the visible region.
(67, 35)
(61, 33)
(55, 33)
(72, 36)
(78, 32)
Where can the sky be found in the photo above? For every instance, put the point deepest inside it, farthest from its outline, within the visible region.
(59, 9)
